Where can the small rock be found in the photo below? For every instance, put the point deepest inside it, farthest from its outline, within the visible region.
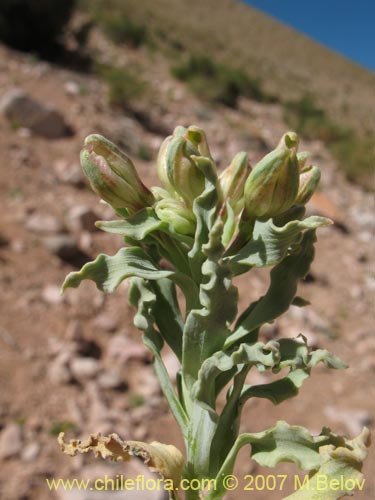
(124, 349)
(69, 173)
(85, 241)
(106, 322)
(26, 112)
(143, 382)
(72, 88)
(58, 371)
(82, 218)
(110, 380)
(84, 368)
(67, 249)
(62, 245)
(74, 331)
(30, 452)
(51, 294)
(10, 441)
(44, 224)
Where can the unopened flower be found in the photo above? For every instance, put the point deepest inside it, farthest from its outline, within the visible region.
(113, 176)
(233, 179)
(272, 186)
(175, 213)
(308, 182)
(176, 167)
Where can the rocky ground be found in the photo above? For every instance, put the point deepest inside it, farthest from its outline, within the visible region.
(75, 362)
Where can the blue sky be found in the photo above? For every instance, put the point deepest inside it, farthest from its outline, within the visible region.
(346, 26)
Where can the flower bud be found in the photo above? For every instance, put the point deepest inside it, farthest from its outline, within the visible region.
(175, 213)
(290, 140)
(308, 182)
(233, 179)
(302, 158)
(272, 186)
(113, 176)
(198, 138)
(176, 168)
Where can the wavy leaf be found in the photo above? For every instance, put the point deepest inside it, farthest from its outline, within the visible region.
(140, 225)
(205, 207)
(109, 271)
(144, 298)
(207, 328)
(281, 292)
(270, 244)
(327, 454)
(259, 354)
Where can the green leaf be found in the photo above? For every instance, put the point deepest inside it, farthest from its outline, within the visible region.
(324, 455)
(339, 473)
(259, 354)
(145, 300)
(294, 354)
(283, 287)
(270, 243)
(168, 315)
(109, 271)
(205, 207)
(207, 328)
(140, 225)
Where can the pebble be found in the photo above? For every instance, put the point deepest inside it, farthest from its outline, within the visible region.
(74, 331)
(106, 322)
(69, 173)
(28, 113)
(51, 294)
(30, 452)
(58, 370)
(125, 349)
(82, 218)
(110, 380)
(72, 88)
(62, 245)
(143, 382)
(84, 368)
(10, 441)
(44, 224)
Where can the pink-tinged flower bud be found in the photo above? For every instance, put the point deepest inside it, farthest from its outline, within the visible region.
(308, 182)
(113, 176)
(175, 213)
(272, 186)
(176, 168)
(233, 179)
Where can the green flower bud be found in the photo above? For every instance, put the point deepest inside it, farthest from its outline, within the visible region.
(290, 140)
(175, 213)
(233, 179)
(302, 158)
(159, 193)
(272, 186)
(198, 137)
(113, 176)
(176, 167)
(308, 182)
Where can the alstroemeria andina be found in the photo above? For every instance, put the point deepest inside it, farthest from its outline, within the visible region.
(210, 229)
(113, 176)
